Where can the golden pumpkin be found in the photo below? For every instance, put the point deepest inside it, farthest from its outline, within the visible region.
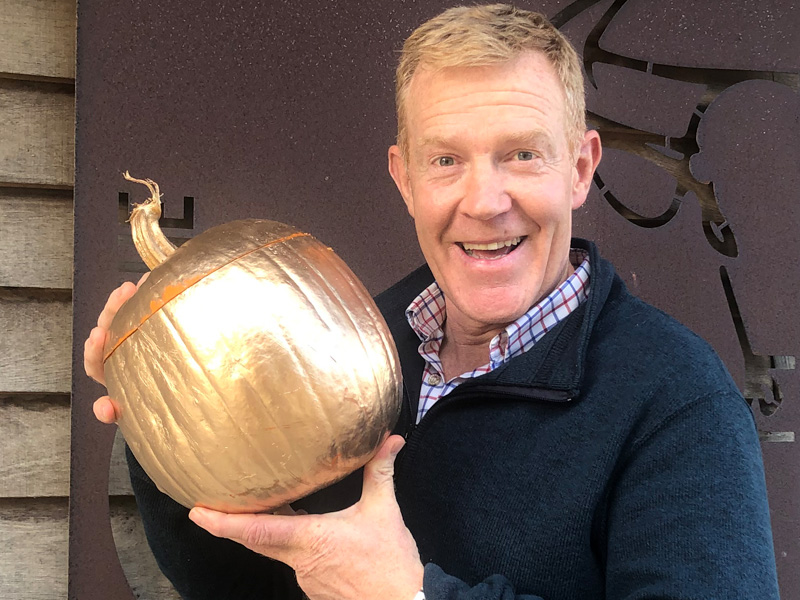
(251, 368)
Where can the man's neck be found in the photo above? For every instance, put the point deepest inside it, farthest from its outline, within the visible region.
(465, 345)
(463, 351)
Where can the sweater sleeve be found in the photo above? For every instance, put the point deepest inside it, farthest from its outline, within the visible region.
(199, 565)
(687, 516)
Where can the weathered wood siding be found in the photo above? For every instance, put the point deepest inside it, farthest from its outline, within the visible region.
(36, 239)
(37, 103)
(38, 133)
(38, 570)
(38, 39)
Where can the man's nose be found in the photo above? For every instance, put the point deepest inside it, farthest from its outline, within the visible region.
(485, 195)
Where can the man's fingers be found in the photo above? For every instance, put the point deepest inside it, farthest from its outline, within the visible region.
(379, 472)
(117, 298)
(93, 348)
(276, 536)
(93, 355)
(106, 410)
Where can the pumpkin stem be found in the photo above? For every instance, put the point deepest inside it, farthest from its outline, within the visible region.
(151, 243)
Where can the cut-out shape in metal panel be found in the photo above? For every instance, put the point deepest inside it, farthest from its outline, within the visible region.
(748, 151)
(643, 101)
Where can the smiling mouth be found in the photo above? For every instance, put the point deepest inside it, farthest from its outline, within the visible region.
(491, 251)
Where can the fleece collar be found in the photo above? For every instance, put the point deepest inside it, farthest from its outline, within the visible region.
(555, 363)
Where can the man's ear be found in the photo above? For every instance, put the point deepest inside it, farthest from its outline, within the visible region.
(586, 161)
(399, 172)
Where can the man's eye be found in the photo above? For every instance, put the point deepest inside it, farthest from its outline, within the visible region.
(445, 161)
(524, 155)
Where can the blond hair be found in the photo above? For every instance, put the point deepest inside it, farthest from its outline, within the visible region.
(473, 36)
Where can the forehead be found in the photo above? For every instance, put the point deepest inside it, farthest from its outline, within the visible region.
(523, 92)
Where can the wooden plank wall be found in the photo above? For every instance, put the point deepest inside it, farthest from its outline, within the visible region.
(37, 105)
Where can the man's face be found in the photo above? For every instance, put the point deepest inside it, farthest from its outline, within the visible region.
(491, 184)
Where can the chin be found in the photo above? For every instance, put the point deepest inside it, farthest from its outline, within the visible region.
(498, 314)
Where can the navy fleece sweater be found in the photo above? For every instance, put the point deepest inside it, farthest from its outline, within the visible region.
(614, 460)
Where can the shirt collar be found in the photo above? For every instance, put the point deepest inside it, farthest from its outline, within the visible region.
(426, 314)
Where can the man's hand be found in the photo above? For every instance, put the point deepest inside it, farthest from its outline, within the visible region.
(362, 552)
(105, 408)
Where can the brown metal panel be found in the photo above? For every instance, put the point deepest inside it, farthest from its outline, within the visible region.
(284, 110)
(752, 35)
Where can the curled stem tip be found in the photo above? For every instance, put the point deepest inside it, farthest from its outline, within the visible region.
(155, 195)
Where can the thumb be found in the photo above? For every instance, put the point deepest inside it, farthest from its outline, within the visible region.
(271, 535)
(379, 472)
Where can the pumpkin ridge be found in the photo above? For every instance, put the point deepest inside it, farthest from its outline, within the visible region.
(277, 427)
(192, 487)
(173, 291)
(215, 386)
(300, 366)
(293, 351)
(177, 430)
(131, 422)
(386, 343)
(344, 307)
(298, 285)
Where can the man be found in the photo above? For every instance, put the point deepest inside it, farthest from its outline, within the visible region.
(563, 439)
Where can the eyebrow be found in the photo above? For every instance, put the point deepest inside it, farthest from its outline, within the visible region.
(434, 141)
(536, 139)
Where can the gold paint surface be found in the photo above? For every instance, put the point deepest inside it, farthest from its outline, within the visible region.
(173, 290)
(252, 368)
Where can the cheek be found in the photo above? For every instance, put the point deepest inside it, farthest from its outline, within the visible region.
(430, 212)
(428, 232)
(547, 204)
(424, 224)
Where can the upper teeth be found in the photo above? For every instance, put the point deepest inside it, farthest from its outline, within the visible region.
(493, 245)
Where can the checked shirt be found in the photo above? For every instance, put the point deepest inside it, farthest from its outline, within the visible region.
(426, 315)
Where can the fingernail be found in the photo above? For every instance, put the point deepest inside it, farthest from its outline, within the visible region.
(397, 448)
(198, 514)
